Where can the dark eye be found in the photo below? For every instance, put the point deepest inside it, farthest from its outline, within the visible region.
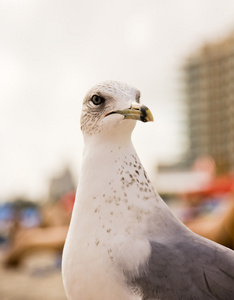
(97, 100)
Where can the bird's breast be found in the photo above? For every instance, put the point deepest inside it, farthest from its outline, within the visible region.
(109, 225)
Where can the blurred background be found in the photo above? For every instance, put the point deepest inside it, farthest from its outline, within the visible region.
(180, 54)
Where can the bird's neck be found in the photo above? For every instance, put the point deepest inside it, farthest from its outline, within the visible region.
(114, 189)
(106, 168)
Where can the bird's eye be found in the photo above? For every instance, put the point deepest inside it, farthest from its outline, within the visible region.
(97, 100)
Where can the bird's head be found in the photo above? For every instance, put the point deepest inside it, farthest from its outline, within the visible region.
(111, 105)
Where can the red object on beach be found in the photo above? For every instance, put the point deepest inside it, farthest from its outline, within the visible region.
(68, 200)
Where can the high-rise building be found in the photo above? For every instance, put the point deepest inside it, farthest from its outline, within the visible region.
(209, 86)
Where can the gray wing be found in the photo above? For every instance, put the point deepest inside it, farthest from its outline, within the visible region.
(189, 268)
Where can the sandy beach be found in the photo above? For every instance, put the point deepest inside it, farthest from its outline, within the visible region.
(38, 278)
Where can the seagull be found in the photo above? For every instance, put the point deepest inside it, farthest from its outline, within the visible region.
(124, 243)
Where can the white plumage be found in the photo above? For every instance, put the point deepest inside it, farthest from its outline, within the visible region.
(123, 241)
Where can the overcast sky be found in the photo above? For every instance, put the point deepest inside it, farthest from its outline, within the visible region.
(52, 52)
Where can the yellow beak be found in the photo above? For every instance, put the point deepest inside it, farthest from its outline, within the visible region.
(136, 112)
